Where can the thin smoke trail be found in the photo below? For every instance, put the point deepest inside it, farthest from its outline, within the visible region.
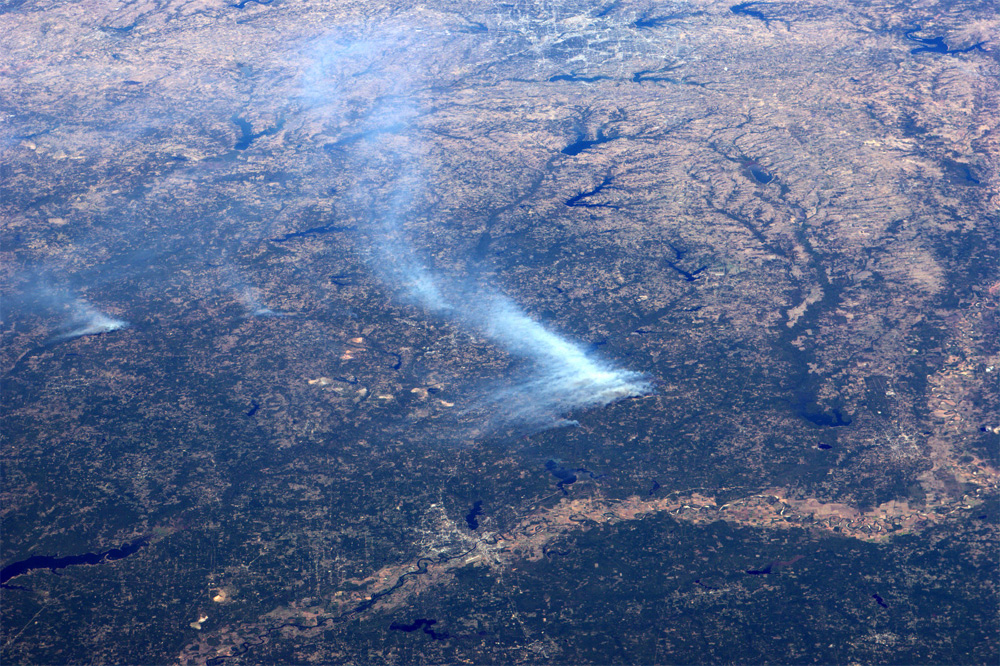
(558, 376)
(36, 295)
(249, 296)
(85, 319)
(562, 376)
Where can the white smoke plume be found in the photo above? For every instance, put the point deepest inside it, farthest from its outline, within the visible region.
(557, 376)
(560, 376)
(85, 319)
(249, 296)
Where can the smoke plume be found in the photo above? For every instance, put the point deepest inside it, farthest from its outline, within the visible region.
(556, 376)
